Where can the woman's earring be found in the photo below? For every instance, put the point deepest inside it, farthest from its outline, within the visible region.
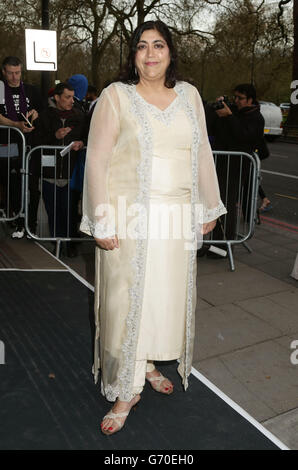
(136, 72)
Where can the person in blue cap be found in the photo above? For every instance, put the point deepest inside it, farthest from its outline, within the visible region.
(80, 85)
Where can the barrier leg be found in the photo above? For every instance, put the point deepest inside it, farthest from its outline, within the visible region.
(258, 218)
(230, 255)
(58, 247)
(247, 247)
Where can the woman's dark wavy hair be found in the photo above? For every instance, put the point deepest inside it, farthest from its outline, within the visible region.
(129, 74)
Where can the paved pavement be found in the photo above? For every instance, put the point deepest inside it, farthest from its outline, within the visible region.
(246, 322)
(279, 180)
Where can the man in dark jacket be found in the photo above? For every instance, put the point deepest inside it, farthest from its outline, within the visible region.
(18, 101)
(238, 129)
(241, 128)
(60, 125)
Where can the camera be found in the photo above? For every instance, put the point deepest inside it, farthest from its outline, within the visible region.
(219, 104)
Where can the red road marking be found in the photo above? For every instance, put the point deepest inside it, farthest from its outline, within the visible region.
(279, 223)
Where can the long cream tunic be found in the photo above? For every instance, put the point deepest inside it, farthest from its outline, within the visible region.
(138, 159)
(162, 327)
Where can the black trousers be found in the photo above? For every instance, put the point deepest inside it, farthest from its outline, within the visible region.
(11, 191)
(10, 183)
(235, 191)
(261, 192)
(61, 204)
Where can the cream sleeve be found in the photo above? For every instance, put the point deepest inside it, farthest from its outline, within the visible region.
(98, 215)
(211, 206)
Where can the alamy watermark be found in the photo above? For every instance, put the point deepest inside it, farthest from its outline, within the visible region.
(294, 95)
(2, 353)
(294, 355)
(165, 222)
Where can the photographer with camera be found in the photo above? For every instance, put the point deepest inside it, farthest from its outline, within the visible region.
(239, 127)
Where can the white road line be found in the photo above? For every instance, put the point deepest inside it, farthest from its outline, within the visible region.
(74, 273)
(36, 270)
(280, 174)
(238, 408)
(200, 377)
(80, 278)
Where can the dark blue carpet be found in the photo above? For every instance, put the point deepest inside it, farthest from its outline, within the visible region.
(48, 397)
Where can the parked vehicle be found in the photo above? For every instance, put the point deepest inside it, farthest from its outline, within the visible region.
(273, 119)
(285, 108)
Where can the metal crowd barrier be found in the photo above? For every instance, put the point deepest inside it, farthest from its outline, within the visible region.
(58, 203)
(239, 178)
(41, 185)
(12, 178)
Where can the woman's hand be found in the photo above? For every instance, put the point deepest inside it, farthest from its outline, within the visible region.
(107, 243)
(208, 227)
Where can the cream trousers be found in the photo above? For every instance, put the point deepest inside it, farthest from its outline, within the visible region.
(141, 368)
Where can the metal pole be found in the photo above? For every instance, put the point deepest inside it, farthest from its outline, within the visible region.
(45, 24)
(45, 14)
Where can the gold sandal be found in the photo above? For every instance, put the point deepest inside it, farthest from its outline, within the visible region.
(159, 379)
(115, 417)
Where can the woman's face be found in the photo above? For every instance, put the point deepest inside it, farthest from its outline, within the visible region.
(153, 55)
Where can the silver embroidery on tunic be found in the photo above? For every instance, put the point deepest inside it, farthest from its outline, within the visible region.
(139, 108)
(98, 229)
(208, 215)
(212, 214)
(124, 388)
(165, 116)
(139, 262)
(186, 361)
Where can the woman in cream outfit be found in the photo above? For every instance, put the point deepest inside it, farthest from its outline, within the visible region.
(148, 148)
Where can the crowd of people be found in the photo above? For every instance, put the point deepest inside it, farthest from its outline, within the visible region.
(64, 120)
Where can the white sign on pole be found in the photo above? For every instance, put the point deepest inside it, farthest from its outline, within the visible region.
(41, 49)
